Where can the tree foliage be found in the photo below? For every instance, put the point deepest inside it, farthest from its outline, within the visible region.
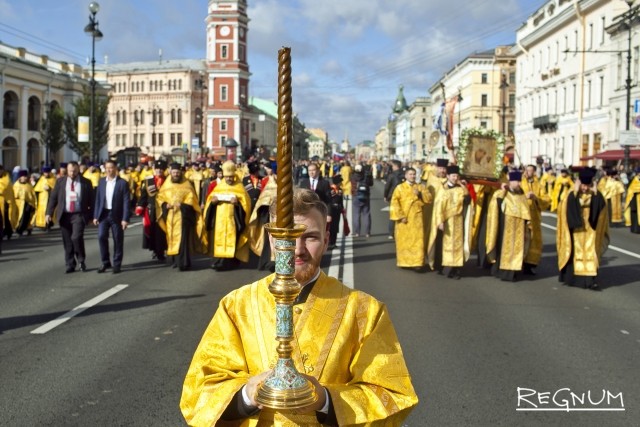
(52, 135)
(82, 107)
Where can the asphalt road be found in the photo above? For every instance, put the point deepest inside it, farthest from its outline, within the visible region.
(470, 344)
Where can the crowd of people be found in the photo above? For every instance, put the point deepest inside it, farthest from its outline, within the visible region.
(439, 219)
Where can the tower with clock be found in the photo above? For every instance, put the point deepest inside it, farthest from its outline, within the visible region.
(228, 76)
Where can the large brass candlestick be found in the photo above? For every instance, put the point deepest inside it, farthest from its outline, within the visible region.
(285, 388)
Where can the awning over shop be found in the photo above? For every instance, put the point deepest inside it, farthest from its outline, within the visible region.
(613, 155)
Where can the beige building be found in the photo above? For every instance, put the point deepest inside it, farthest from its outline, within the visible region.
(32, 85)
(565, 87)
(480, 93)
(421, 125)
(158, 107)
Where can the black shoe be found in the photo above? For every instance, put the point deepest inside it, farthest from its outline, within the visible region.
(594, 287)
(83, 267)
(117, 269)
(103, 268)
(70, 270)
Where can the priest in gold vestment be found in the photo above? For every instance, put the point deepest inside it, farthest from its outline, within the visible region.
(407, 205)
(583, 233)
(538, 200)
(612, 190)
(227, 212)
(561, 188)
(25, 199)
(508, 229)
(178, 213)
(345, 344)
(632, 204)
(43, 189)
(449, 246)
(8, 209)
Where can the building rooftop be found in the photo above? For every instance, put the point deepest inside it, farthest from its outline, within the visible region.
(267, 106)
(153, 66)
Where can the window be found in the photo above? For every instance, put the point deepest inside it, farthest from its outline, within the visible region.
(601, 102)
(132, 86)
(141, 139)
(137, 86)
(511, 126)
(142, 86)
(575, 37)
(141, 117)
(117, 140)
(124, 140)
(180, 84)
(179, 116)
(590, 36)
(619, 71)
(575, 94)
(223, 93)
(512, 78)
(564, 100)
(483, 124)
(169, 85)
(484, 78)
(253, 127)
(224, 51)
(153, 139)
(173, 116)
(512, 100)
(484, 99)
(588, 94)
(160, 140)
(179, 138)
(159, 116)
(223, 125)
(135, 139)
(117, 119)
(241, 56)
(172, 139)
(603, 32)
(424, 122)
(223, 139)
(124, 117)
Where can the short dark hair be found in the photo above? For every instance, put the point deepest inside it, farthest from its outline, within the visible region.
(113, 162)
(73, 163)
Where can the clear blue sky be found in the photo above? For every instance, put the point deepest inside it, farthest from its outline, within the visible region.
(348, 56)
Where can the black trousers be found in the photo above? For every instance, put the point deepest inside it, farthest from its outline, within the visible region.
(72, 230)
(107, 223)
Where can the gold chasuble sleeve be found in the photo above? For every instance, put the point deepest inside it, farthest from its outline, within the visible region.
(345, 339)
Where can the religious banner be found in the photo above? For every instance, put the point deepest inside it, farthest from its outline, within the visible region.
(480, 153)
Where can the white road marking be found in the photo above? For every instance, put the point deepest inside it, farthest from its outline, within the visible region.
(338, 254)
(624, 332)
(79, 309)
(385, 209)
(613, 248)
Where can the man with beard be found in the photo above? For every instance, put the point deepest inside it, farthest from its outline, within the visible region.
(508, 229)
(407, 205)
(227, 214)
(43, 189)
(72, 201)
(153, 236)
(449, 245)
(538, 201)
(178, 211)
(25, 201)
(583, 233)
(341, 331)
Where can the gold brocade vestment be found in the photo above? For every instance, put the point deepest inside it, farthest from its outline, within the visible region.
(515, 233)
(223, 241)
(633, 192)
(24, 195)
(410, 237)
(43, 190)
(8, 201)
(172, 194)
(561, 187)
(256, 229)
(583, 246)
(449, 209)
(343, 337)
(612, 190)
(540, 203)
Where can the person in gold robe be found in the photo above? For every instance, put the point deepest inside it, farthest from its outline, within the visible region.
(178, 211)
(153, 236)
(227, 213)
(547, 181)
(508, 229)
(92, 174)
(449, 246)
(632, 204)
(43, 189)
(538, 200)
(258, 236)
(406, 209)
(8, 207)
(583, 233)
(612, 190)
(196, 176)
(345, 173)
(25, 199)
(561, 188)
(346, 346)
(434, 181)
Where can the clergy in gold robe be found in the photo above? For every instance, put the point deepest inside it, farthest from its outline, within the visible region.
(508, 229)
(43, 189)
(450, 245)
(547, 181)
(561, 188)
(484, 194)
(92, 174)
(258, 236)
(25, 199)
(227, 212)
(612, 190)
(406, 209)
(632, 204)
(345, 173)
(434, 181)
(538, 200)
(196, 176)
(583, 233)
(345, 345)
(7, 203)
(178, 213)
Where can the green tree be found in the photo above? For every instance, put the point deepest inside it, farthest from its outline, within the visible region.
(82, 107)
(52, 135)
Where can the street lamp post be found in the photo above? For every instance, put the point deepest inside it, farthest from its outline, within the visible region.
(503, 89)
(95, 33)
(200, 119)
(153, 132)
(628, 18)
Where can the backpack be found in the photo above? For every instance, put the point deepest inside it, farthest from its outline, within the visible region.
(362, 191)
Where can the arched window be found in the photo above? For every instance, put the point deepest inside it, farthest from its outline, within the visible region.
(117, 118)
(10, 111)
(161, 85)
(173, 116)
(179, 116)
(180, 84)
(169, 85)
(160, 116)
(141, 117)
(33, 114)
(124, 117)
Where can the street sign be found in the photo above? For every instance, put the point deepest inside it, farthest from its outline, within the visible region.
(195, 143)
(636, 106)
(636, 122)
(629, 137)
